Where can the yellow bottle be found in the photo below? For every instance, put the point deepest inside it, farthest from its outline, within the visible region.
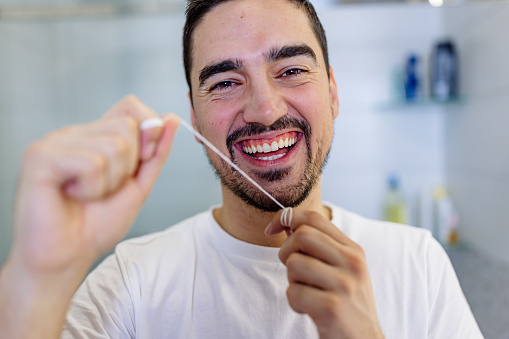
(395, 206)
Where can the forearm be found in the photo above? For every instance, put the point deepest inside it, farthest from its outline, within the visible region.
(34, 306)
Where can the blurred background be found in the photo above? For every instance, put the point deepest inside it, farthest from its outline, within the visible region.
(399, 149)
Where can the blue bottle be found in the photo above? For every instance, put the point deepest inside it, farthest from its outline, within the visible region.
(411, 78)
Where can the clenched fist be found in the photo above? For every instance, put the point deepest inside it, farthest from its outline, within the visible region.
(80, 190)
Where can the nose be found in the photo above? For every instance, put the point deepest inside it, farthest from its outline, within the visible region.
(265, 104)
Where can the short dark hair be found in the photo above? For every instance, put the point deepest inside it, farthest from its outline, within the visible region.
(197, 9)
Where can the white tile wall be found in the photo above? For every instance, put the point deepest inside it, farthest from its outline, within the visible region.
(367, 44)
(26, 106)
(477, 138)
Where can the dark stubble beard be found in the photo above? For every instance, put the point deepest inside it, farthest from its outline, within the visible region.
(291, 194)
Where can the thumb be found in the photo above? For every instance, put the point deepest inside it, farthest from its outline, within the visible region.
(149, 170)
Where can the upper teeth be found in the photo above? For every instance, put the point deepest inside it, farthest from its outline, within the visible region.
(266, 148)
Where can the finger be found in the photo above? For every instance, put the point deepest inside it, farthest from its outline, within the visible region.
(149, 170)
(84, 172)
(131, 106)
(310, 218)
(113, 149)
(124, 128)
(318, 304)
(311, 241)
(303, 269)
(114, 139)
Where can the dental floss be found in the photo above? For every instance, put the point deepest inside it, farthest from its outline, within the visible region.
(225, 158)
(151, 123)
(286, 215)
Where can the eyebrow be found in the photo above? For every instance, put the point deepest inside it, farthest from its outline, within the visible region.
(275, 54)
(284, 52)
(219, 67)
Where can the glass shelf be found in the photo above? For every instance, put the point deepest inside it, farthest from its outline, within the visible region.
(418, 103)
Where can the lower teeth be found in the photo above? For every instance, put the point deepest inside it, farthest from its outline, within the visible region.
(273, 157)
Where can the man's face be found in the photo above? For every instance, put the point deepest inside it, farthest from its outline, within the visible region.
(262, 95)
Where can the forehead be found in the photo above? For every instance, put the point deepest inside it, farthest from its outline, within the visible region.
(246, 29)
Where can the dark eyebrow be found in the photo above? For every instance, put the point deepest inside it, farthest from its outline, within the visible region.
(284, 52)
(219, 67)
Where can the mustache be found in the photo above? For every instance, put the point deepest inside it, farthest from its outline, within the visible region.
(255, 129)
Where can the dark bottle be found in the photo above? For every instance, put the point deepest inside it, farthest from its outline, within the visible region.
(444, 72)
(411, 78)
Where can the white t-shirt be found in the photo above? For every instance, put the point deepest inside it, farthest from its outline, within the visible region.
(194, 280)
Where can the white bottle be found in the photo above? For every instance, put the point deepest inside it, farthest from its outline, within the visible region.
(446, 218)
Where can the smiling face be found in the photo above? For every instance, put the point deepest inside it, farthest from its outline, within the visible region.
(262, 95)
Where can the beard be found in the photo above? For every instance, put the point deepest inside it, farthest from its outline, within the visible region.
(289, 195)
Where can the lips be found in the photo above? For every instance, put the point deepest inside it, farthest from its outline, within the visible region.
(269, 149)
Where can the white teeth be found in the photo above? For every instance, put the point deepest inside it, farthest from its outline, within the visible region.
(272, 157)
(266, 148)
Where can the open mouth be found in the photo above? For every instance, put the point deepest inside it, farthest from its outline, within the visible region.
(269, 149)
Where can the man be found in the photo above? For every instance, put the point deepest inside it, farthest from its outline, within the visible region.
(262, 91)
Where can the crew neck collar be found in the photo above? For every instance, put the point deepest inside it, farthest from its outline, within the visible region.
(225, 242)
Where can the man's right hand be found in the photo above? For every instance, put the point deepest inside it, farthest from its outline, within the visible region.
(80, 190)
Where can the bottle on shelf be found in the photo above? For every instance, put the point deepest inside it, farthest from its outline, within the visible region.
(444, 72)
(412, 80)
(446, 218)
(395, 207)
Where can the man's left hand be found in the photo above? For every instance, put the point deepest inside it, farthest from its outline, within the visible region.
(328, 277)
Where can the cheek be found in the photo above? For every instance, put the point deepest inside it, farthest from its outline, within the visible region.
(216, 122)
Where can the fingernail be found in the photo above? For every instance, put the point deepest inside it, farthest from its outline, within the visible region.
(267, 229)
(151, 123)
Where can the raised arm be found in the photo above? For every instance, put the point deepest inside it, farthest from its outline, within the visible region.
(80, 189)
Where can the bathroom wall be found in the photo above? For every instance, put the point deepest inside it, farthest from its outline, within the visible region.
(477, 138)
(54, 73)
(375, 135)
(26, 105)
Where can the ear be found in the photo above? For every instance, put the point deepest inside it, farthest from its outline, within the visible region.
(333, 93)
(193, 116)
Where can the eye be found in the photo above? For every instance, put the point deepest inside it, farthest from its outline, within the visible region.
(223, 85)
(292, 72)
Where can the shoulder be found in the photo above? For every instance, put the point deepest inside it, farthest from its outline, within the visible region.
(362, 229)
(390, 244)
(164, 246)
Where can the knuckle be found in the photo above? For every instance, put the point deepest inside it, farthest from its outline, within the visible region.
(116, 147)
(128, 104)
(131, 99)
(128, 124)
(292, 262)
(346, 285)
(358, 248)
(357, 262)
(33, 151)
(301, 233)
(58, 135)
(314, 217)
(94, 165)
(331, 307)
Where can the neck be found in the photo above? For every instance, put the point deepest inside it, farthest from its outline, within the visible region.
(248, 223)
